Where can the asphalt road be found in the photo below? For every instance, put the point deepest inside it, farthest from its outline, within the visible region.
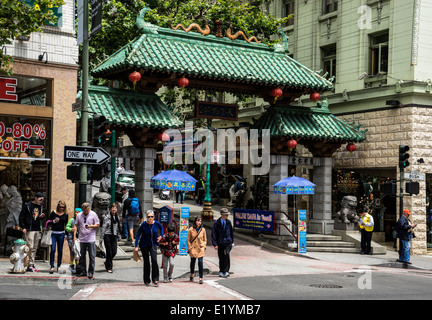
(336, 286)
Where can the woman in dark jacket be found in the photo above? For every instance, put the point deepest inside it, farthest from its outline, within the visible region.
(147, 239)
(110, 234)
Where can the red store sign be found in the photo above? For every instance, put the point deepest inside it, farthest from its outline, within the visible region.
(8, 89)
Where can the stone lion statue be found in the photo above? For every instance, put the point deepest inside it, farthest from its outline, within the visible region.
(347, 213)
(101, 202)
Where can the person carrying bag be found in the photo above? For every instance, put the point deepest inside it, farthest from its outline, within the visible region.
(197, 244)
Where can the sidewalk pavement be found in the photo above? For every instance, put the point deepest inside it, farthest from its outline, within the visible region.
(130, 271)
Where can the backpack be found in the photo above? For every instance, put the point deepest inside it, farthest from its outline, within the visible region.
(134, 207)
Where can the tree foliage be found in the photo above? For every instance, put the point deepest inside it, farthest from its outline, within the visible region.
(21, 18)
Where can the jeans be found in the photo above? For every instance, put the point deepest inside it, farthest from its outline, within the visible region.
(91, 248)
(405, 250)
(57, 240)
(146, 265)
(200, 266)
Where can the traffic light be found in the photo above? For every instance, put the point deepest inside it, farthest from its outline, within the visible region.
(389, 188)
(101, 134)
(403, 156)
(412, 187)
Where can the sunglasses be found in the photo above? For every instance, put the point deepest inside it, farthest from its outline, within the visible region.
(150, 216)
(61, 207)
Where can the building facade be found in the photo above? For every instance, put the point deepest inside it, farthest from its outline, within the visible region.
(378, 53)
(36, 118)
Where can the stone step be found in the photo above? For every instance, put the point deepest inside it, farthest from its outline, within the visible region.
(342, 244)
(333, 249)
(322, 237)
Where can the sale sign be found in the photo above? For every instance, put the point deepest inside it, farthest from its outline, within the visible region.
(8, 89)
(16, 131)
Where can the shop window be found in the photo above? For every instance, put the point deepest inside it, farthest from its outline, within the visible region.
(26, 90)
(24, 154)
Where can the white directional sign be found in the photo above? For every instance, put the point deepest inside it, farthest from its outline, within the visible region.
(414, 176)
(83, 154)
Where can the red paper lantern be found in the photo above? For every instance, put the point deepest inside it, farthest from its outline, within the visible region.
(135, 77)
(315, 96)
(183, 82)
(351, 147)
(277, 93)
(164, 137)
(291, 144)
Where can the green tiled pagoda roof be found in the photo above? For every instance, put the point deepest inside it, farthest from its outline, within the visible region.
(176, 51)
(308, 123)
(128, 107)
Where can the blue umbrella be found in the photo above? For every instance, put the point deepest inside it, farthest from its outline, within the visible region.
(173, 180)
(294, 185)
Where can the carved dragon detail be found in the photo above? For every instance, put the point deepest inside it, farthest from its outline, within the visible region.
(204, 32)
(240, 33)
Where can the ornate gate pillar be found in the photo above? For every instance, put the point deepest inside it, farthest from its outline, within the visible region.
(321, 221)
(144, 171)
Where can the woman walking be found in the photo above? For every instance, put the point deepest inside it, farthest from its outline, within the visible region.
(147, 239)
(110, 234)
(58, 220)
(197, 244)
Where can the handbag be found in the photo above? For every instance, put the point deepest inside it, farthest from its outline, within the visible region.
(46, 238)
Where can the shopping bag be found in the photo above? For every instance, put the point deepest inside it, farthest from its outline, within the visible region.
(46, 238)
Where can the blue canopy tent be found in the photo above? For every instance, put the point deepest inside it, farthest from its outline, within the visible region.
(173, 180)
(294, 185)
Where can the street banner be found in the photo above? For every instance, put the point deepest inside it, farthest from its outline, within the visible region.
(96, 16)
(259, 220)
(302, 231)
(184, 227)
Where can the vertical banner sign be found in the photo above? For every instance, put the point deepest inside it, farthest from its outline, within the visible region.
(96, 15)
(184, 227)
(301, 231)
(81, 36)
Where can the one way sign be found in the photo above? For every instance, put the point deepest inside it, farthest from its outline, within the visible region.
(83, 154)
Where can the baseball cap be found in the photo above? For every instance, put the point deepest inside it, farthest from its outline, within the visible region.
(407, 211)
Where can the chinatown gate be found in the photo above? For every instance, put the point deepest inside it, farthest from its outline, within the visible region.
(163, 56)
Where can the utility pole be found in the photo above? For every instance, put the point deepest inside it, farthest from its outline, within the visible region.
(84, 111)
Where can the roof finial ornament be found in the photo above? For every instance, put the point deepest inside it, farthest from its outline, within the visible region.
(218, 25)
(204, 32)
(240, 33)
(282, 48)
(143, 26)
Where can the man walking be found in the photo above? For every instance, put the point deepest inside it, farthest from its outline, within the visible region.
(30, 220)
(223, 239)
(86, 223)
(366, 225)
(405, 231)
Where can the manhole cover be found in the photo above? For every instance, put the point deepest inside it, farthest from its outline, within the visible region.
(326, 286)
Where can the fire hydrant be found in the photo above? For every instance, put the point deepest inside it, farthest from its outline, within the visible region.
(20, 251)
